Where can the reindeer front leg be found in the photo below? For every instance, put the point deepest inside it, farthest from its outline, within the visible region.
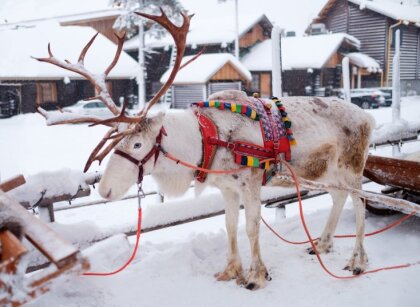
(234, 267)
(257, 273)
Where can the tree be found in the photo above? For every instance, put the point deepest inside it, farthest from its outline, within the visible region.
(132, 24)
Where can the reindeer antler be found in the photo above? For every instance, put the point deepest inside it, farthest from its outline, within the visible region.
(97, 81)
(178, 33)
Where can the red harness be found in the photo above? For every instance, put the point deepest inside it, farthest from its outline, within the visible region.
(210, 142)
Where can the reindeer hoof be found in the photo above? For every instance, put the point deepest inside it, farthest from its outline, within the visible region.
(357, 271)
(251, 286)
(321, 247)
(268, 277)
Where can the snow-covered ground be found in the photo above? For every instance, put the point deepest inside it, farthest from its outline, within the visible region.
(175, 266)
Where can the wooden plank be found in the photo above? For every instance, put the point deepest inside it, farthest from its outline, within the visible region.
(56, 249)
(11, 251)
(12, 183)
(395, 172)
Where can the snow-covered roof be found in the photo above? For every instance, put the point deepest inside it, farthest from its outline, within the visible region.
(66, 43)
(204, 30)
(298, 52)
(363, 60)
(20, 10)
(204, 67)
(396, 9)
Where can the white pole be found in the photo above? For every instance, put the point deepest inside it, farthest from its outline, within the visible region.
(141, 77)
(396, 88)
(346, 78)
(359, 78)
(236, 30)
(276, 60)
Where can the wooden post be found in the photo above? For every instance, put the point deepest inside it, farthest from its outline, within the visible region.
(396, 89)
(276, 61)
(346, 78)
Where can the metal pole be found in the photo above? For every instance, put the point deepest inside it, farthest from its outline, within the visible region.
(396, 89)
(236, 30)
(276, 61)
(141, 77)
(346, 78)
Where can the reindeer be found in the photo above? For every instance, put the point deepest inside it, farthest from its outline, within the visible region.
(333, 138)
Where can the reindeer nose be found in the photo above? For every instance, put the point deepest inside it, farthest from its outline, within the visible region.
(108, 194)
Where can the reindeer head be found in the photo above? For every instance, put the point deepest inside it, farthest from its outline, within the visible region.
(134, 156)
(131, 136)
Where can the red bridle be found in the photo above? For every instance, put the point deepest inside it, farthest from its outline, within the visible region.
(153, 152)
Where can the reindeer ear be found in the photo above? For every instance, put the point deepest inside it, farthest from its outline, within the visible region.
(156, 122)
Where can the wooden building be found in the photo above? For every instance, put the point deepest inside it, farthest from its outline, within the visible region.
(310, 65)
(215, 34)
(206, 75)
(26, 83)
(374, 24)
(102, 21)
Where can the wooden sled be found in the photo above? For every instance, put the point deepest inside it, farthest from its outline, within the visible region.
(16, 288)
(401, 179)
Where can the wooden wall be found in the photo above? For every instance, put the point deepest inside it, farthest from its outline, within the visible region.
(227, 72)
(102, 25)
(253, 36)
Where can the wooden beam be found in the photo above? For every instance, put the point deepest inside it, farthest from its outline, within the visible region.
(12, 183)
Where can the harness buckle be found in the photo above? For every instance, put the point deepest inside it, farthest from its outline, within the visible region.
(140, 194)
(231, 146)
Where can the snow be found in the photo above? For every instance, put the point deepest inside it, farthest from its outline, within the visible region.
(204, 67)
(175, 266)
(364, 61)
(298, 52)
(66, 43)
(14, 11)
(50, 184)
(391, 8)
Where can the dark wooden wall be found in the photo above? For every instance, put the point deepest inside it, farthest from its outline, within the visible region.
(371, 29)
(68, 94)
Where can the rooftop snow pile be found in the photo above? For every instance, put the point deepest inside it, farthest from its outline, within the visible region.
(299, 52)
(204, 67)
(364, 61)
(66, 43)
(394, 9)
(16, 10)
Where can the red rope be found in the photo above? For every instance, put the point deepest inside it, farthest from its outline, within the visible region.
(311, 241)
(133, 255)
(392, 225)
(210, 171)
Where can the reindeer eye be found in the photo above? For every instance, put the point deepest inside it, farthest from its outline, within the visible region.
(137, 145)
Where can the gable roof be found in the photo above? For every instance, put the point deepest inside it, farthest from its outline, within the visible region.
(205, 67)
(66, 43)
(299, 52)
(215, 30)
(390, 8)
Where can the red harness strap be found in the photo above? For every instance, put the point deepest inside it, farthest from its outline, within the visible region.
(208, 130)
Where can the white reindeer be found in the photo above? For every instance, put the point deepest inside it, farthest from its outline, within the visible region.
(332, 146)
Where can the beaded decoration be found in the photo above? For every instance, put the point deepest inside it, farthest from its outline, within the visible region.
(287, 123)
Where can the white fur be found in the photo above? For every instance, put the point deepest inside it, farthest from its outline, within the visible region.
(322, 122)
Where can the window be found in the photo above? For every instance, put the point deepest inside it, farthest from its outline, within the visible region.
(255, 83)
(46, 92)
